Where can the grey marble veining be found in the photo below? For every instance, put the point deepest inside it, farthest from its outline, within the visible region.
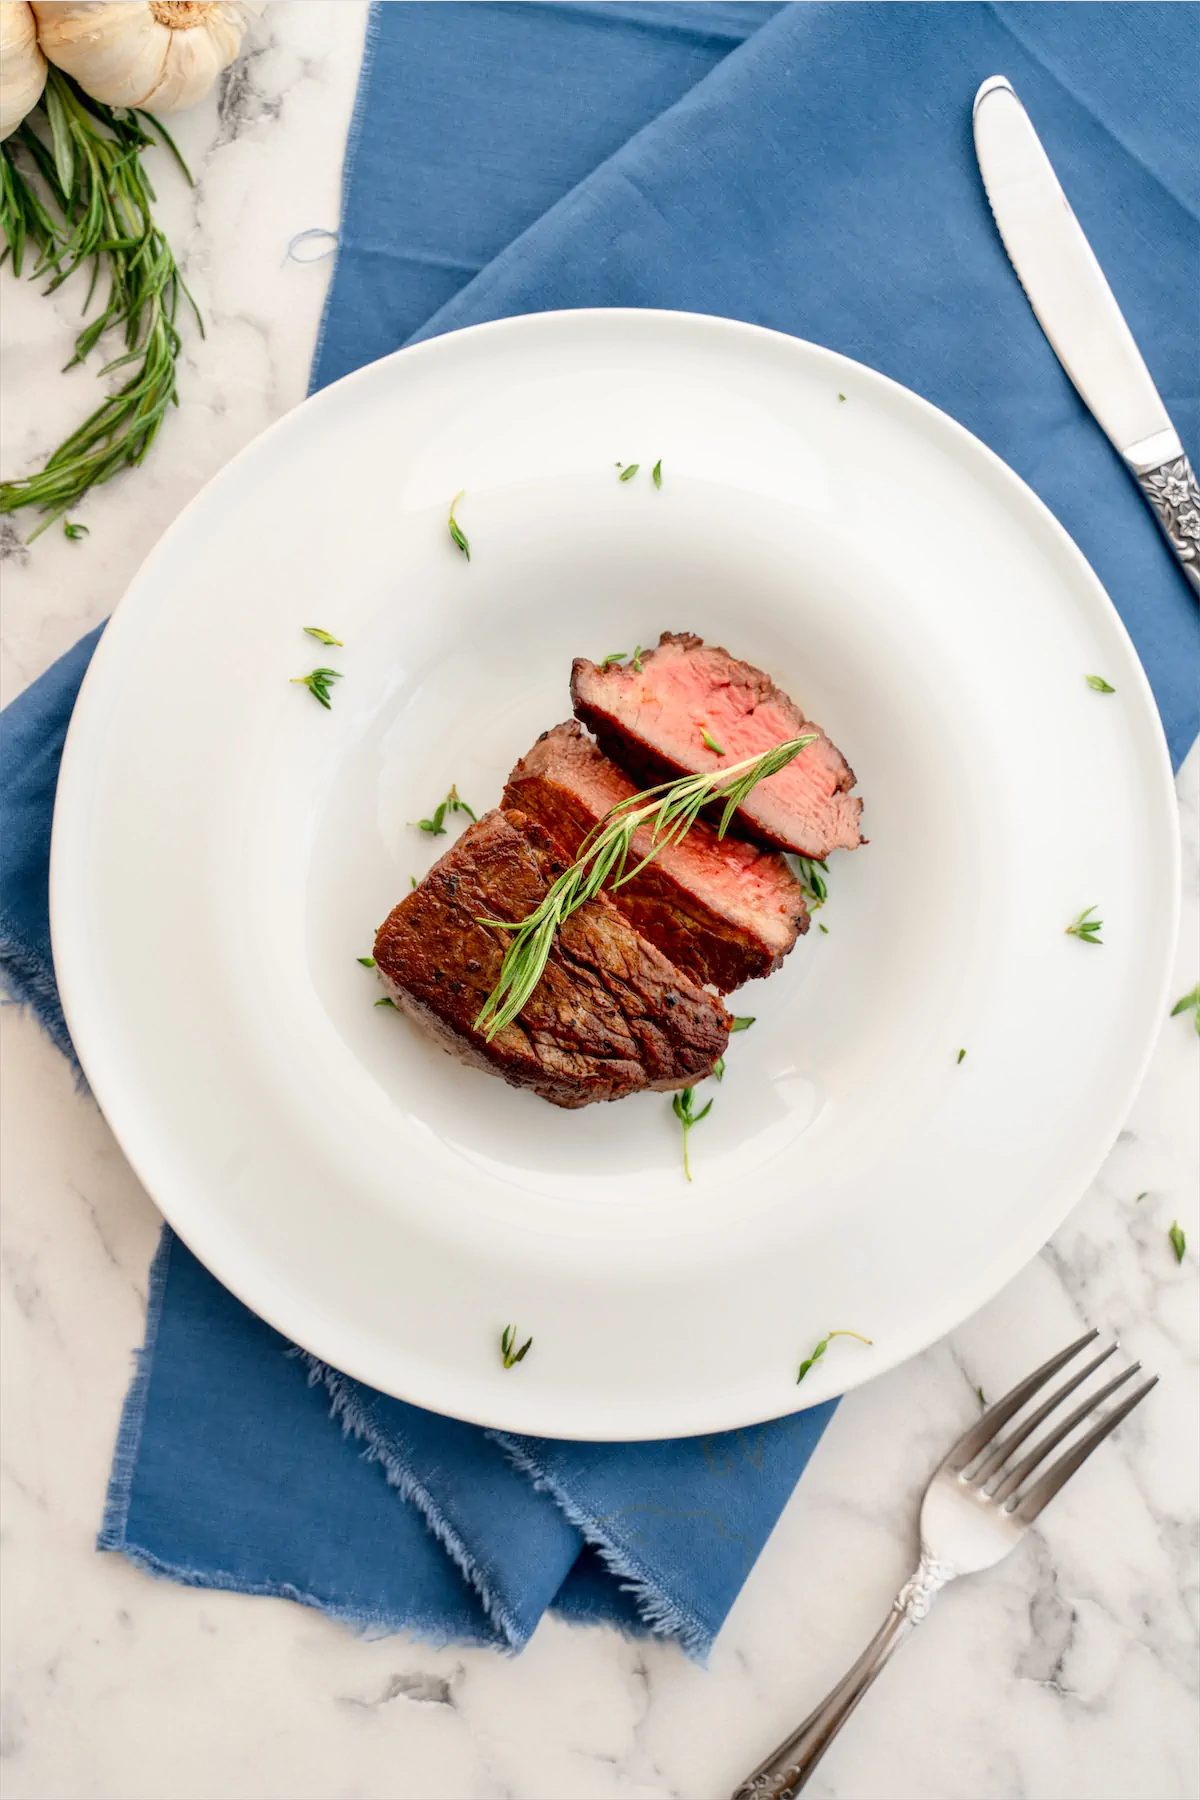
(1069, 1673)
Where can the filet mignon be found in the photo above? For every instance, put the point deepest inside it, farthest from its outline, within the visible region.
(611, 1015)
(722, 910)
(653, 723)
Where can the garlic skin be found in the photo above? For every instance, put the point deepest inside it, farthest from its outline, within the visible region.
(162, 55)
(22, 65)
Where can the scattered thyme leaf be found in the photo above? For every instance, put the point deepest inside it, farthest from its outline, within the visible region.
(368, 962)
(1189, 1003)
(681, 1106)
(615, 656)
(822, 1347)
(1085, 929)
(457, 534)
(1178, 1240)
(841, 399)
(386, 1001)
(635, 661)
(322, 637)
(982, 1401)
(1098, 683)
(710, 742)
(1140, 1196)
(960, 1056)
(317, 684)
(741, 1024)
(823, 929)
(412, 881)
(436, 826)
(812, 881)
(667, 813)
(510, 1355)
(719, 1069)
(73, 531)
(629, 471)
(656, 473)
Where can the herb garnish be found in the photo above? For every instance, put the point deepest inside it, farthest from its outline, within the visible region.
(629, 471)
(368, 962)
(670, 810)
(412, 881)
(710, 742)
(73, 531)
(1098, 683)
(386, 1002)
(1085, 929)
(656, 473)
(841, 398)
(1178, 1240)
(322, 637)
(982, 1401)
(318, 684)
(635, 661)
(1140, 1196)
(960, 1056)
(615, 656)
(456, 531)
(718, 1069)
(1189, 1003)
(823, 929)
(822, 1347)
(681, 1106)
(812, 881)
(508, 1338)
(740, 1024)
(435, 826)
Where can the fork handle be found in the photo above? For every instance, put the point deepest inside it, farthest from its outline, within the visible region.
(789, 1766)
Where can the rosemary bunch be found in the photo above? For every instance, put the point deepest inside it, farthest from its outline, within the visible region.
(85, 160)
(669, 811)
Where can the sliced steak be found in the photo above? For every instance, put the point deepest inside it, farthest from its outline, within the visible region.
(653, 722)
(610, 1015)
(722, 910)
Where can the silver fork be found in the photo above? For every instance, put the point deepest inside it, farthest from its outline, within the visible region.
(979, 1504)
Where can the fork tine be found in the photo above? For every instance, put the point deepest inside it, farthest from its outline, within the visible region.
(1000, 1453)
(1044, 1446)
(984, 1430)
(1060, 1472)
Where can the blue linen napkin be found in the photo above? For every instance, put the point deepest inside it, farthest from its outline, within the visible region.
(807, 167)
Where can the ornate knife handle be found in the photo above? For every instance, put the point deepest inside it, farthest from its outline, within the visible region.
(788, 1767)
(1173, 492)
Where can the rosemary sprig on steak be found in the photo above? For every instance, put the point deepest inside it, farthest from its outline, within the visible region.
(669, 810)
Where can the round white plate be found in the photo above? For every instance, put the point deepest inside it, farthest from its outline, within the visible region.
(224, 850)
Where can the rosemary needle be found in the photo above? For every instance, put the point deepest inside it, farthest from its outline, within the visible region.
(509, 1354)
(457, 533)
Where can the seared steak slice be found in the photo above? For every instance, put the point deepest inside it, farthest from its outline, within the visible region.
(653, 724)
(724, 911)
(610, 1015)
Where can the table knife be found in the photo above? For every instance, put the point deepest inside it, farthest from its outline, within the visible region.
(1075, 307)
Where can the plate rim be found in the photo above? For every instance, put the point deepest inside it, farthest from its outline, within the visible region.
(120, 1104)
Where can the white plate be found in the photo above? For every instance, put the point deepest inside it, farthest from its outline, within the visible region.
(224, 850)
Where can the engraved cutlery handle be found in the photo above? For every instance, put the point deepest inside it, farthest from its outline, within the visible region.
(1173, 492)
(789, 1766)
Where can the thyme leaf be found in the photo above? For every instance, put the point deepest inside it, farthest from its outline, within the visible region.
(510, 1355)
(436, 825)
(656, 473)
(386, 1001)
(1189, 1003)
(322, 637)
(740, 1024)
(73, 531)
(457, 533)
(1085, 929)
(710, 742)
(317, 683)
(719, 1069)
(960, 1056)
(629, 471)
(682, 1107)
(822, 1347)
(1178, 1240)
(1098, 683)
(368, 962)
(614, 656)
(812, 881)
(635, 661)
(668, 811)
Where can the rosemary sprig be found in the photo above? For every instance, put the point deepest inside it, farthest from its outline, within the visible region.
(317, 682)
(510, 1355)
(629, 471)
(656, 473)
(457, 533)
(1099, 685)
(99, 214)
(1085, 929)
(710, 742)
(812, 880)
(669, 811)
(1178, 1240)
(436, 826)
(681, 1106)
(322, 637)
(822, 1347)
(1189, 1003)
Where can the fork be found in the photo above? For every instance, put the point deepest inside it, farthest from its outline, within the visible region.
(979, 1503)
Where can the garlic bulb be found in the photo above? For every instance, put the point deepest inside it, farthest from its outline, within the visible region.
(159, 54)
(22, 65)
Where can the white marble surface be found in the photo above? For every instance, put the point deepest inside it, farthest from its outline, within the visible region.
(1069, 1673)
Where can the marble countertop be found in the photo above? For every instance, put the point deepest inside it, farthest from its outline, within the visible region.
(1068, 1673)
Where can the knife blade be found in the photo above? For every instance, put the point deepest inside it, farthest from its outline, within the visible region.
(1076, 309)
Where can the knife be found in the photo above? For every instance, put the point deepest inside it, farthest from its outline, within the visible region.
(1075, 308)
